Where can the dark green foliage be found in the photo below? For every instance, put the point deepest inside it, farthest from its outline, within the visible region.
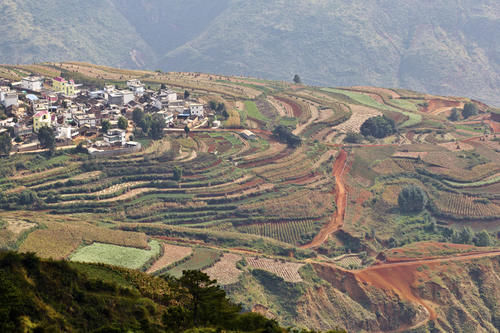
(186, 94)
(412, 199)
(157, 126)
(105, 126)
(470, 109)
(28, 197)
(207, 305)
(483, 238)
(47, 137)
(177, 173)
(5, 144)
(378, 127)
(285, 135)
(137, 116)
(297, 79)
(57, 297)
(463, 237)
(122, 123)
(352, 137)
(187, 130)
(455, 115)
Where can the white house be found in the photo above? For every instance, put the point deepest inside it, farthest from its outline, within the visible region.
(7, 97)
(33, 83)
(128, 96)
(168, 116)
(115, 136)
(196, 109)
(66, 132)
(120, 97)
(136, 86)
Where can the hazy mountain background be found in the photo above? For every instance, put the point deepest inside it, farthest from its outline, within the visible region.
(447, 47)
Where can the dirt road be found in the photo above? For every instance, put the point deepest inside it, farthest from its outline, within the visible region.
(337, 220)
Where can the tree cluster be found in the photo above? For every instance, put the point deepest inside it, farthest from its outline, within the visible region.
(470, 109)
(285, 135)
(5, 144)
(412, 199)
(47, 138)
(151, 125)
(219, 108)
(378, 127)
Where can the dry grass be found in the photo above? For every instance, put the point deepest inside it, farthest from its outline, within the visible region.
(225, 271)
(171, 254)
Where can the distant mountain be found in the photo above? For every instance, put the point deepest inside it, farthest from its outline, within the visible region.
(446, 47)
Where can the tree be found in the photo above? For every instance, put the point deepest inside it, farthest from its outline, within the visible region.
(285, 135)
(105, 126)
(177, 173)
(5, 144)
(157, 126)
(483, 238)
(122, 123)
(454, 116)
(137, 116)
(465, 236)
(470, 109)
(412, 199)
(187, 130)
(47, 138)
(163, 86)
(212, 105)
(297, 79)
(186, 94)
(378, 127)
(145, 124)
(28, 197)
(208, 304)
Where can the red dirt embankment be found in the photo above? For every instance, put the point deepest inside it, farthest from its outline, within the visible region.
(337, 220)
(438, 105)
(401, 276)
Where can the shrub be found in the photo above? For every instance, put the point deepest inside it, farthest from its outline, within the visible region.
(352, 137)
(412, 199)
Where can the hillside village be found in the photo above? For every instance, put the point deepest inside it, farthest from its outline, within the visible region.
(100, 117)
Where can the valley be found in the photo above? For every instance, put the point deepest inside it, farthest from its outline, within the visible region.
(300, 219)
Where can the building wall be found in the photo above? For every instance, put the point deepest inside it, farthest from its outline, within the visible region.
(39, 122)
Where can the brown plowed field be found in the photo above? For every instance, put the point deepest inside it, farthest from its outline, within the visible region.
(437, 106)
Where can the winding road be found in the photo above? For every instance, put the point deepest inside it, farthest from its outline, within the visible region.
(337, 220)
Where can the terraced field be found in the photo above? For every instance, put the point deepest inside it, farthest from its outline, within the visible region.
(243, 205)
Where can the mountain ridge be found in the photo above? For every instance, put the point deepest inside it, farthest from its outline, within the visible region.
(445, 48)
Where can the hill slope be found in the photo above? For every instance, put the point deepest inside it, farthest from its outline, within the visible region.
(445, 47)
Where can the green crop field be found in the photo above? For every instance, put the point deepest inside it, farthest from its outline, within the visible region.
(128, 257)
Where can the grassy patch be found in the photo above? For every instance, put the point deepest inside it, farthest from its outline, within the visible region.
(413, 120)
(253, 111)
(202, 258)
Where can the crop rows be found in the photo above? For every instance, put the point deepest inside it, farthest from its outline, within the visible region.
(462, 205)
(288, 271)
(289, 232)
